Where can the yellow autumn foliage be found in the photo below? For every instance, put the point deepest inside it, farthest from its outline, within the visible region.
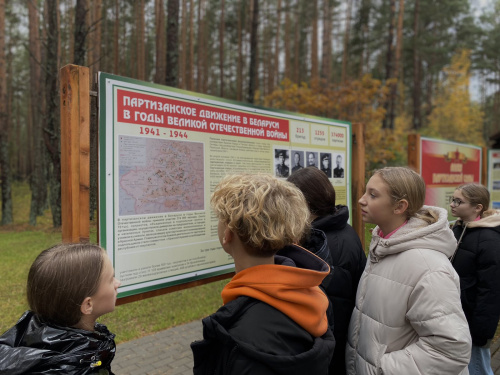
(454, 116)
(358, 101)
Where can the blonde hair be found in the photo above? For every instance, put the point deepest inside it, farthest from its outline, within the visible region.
(266, 213)
(404, 183)
(476, 194)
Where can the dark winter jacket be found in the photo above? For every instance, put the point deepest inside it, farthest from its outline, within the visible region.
(33, 347)
(347, 261)
(477, 262)
(250, 336)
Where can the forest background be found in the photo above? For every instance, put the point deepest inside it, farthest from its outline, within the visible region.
(396, 66)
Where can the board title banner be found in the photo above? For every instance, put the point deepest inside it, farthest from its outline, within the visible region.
(444, 166)
(142, 109)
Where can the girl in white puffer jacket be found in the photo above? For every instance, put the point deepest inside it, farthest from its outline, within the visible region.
(408, 318)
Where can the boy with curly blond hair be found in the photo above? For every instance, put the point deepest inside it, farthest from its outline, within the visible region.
(274, 318)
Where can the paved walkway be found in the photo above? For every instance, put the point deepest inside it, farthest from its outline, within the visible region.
(168, 353)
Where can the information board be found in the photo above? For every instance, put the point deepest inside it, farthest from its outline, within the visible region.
(162, 152)
(444, 166)
(494, 178)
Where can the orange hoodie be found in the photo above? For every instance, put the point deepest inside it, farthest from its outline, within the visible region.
(292, 290)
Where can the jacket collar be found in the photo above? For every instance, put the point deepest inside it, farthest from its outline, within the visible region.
(416, 234)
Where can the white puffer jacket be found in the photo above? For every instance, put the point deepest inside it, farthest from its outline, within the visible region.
(408, 317)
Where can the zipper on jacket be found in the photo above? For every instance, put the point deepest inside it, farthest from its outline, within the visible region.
(458, 243)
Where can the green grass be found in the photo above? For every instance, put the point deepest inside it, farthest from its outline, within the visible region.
(20, 244)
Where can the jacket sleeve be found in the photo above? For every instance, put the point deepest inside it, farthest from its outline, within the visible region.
(435, 313)
(484, 320)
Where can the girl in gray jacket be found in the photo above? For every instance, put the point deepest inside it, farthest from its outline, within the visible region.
(408, 318)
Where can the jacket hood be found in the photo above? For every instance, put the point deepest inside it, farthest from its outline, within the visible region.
(417, 234)
(337, 220)
(490, 219)
(317, 243)
(34, 347)
(291, 285)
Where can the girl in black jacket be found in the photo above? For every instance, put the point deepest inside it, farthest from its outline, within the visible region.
(477, 262)
(345, 256)
(69, 287)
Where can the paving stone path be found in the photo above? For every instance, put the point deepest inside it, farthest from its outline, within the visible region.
(168, 353)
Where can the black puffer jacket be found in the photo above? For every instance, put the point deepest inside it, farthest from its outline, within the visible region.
(477, 262)
(347, 261)
(249, 337)
(33, 347)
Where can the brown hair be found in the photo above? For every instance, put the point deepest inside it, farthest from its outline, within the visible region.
(266, 213)
(317, 189)
(60, 279)
(476, 194)
(404, 183)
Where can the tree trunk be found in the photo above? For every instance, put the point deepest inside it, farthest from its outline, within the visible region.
(397, 63)
(417, 118)
(201, 46)
(276, 71)
(95, 64)
(190, 72)
(95, 39)
(288, 69)
(399, 39)
(326, 60)
(221, 49)
(140, 41)
(52, 129)
(252, 83)
(183, 47)
(116, 44)
(239, 64)
(296, 43)
(38, 181)
(364, 21)
(4, 127)
(314, 43)
(388, 64)
(172, 75)
(343, 77)
(81, 32)
(161, 53)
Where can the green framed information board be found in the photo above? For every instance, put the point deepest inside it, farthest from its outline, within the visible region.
(161, 153)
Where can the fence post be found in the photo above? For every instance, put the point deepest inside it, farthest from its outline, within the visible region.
(358, 178)
(414, 152)
(484, 167)
(75, 153)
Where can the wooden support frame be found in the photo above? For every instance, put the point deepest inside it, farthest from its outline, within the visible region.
(484, 167)
(75, 170)
(414, 152)
(75, 153)
(358, 178)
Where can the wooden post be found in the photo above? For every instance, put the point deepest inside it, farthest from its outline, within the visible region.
(75, 153)
(484, 167)
(358, 178)
(414, 152)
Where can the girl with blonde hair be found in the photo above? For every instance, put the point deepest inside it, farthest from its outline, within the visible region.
(408, 318)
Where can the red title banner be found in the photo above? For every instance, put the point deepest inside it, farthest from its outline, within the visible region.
(444, 164)
(150, 110)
